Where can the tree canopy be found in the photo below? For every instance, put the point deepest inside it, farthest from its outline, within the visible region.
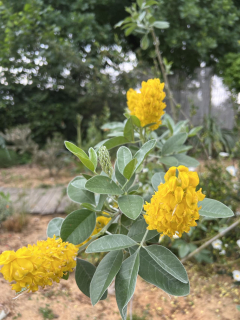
(56, 56)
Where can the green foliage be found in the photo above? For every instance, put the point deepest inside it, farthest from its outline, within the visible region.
(199, 31)
(6, 209)
(218, 184)
(47, 312)
(8, 158)
(215, 138)
(107, 270)
(229, 67)
(118, 197)
(61, 67)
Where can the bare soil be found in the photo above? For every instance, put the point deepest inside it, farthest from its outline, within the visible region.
(33, 176)
(213, 296)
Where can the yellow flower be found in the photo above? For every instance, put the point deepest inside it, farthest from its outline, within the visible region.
(38, 265)
(174, 207)
(147, 106)
(100, 223)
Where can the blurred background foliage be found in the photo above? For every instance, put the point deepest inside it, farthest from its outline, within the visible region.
(59, 58)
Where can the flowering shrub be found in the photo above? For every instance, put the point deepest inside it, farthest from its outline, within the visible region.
(112, 217)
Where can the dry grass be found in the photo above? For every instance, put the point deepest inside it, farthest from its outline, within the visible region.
(16, 222)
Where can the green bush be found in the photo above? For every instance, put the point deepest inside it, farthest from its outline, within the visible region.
(6, 208)
(10, 158)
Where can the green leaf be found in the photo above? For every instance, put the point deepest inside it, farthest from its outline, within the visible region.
(194, 131)
(100, 202)
(169, 161)
(83, 276)
(168, 261)
(54, 227)
(171, 143)
(133, 189)
(149, 124)
(138, 229)
(151, 2)
(140, 2)
(126, 281)
(152, 272)
(110, 243)
(157, 179)
(130, 182)
(120, 178)
(186, 160)
(104, 275)
(82, 156)
(65, 276)
(145, 42)
(119, 24)
(129, 130)
(124, 156)
(79, 182)
(129, 169)
(103, 185)
(77, 193)
(130, 30)
(131, 205)
(136, 121)
(161, 24)
(182, 148)
(114, 142)
(88, 206)
(214, 209)
(183, 250)
(145, 149)
(78, 226)
(86, 176)
(93, 157)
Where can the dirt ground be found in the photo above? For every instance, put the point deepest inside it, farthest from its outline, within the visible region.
(212, 297)
(33, 176)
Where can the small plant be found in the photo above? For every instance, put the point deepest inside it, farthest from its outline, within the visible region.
(47, 313)
(219, 184)
(52, 156)
(20, 139)
(16, 222)
(6, 209)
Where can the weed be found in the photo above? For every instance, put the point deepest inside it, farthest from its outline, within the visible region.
(49, 294)
(136, 317)
(17, 316)
(16, 222)
(46, 312)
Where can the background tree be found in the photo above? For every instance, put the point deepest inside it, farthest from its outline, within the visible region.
(56, 55)
(55, 58)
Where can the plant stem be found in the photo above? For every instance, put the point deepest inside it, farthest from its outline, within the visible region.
(172, 101)
(143, 239)
(160, 60)
(124, 185)
(227, 263)
(221, 234)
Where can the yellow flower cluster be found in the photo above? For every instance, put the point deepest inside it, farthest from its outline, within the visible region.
(100, 223)
(174, 207)
(38, 265)
(147, 106)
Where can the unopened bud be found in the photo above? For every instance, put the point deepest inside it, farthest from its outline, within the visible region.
(105, 161)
